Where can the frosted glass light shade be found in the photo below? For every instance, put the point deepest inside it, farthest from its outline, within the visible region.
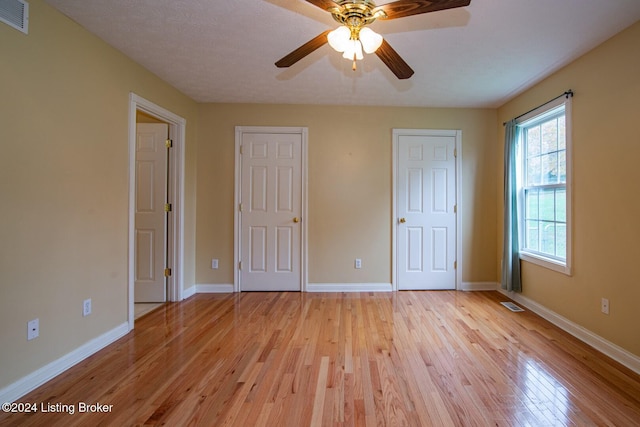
(339, 38)
(371, 40)
(354, 48)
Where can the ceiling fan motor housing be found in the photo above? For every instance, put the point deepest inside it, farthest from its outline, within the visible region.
(356, 14)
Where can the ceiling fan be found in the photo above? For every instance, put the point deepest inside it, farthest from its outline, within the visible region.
(353, 36)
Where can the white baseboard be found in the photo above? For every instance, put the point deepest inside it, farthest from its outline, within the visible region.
(612, 350)
(217, 288)
(311, 287)
(479, 286)
(349, 287)
(333, 287)
(26, 384)
(189, 292)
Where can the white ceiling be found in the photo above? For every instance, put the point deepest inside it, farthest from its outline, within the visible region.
(478, 56)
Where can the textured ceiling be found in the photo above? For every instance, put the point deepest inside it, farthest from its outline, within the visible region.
(478, 56)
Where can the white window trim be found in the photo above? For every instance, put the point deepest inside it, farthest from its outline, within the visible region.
(533, 257)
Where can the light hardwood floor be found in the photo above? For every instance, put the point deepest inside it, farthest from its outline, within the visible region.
(300, 359)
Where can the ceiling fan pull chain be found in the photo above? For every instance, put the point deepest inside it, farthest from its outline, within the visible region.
(354, 62)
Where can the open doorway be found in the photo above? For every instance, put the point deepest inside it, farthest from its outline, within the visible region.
(152, 199)
(156, 153)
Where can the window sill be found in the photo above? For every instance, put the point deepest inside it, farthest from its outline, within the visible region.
(549, 263)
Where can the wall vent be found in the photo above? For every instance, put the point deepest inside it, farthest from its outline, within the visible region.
(16, 14)
(511, 306)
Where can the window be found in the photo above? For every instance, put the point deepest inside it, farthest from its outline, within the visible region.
(544, 186)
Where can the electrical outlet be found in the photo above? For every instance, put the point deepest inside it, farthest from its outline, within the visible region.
(604, 306)
(214, 264)
(86, 307)
(33, 329)
(358, 263)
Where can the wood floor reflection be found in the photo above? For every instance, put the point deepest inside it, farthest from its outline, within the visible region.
(301, 359)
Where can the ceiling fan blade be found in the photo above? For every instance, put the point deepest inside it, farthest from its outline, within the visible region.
(323, 4)
(392, 60)
(303, 50)
(402, 8)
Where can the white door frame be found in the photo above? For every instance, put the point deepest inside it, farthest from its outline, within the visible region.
(394, 216)
(175, 233)
(304, 132)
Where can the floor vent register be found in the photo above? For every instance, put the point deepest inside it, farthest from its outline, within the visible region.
(511, 306)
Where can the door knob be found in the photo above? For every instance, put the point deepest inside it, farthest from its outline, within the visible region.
(403, 220)
(296, 219)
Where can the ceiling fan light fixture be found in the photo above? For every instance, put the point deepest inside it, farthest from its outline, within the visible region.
(371, 40)
(353, 50)
(339, 38)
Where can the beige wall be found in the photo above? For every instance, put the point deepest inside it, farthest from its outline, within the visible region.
(64, 186)
(606, 207)
(349, 186)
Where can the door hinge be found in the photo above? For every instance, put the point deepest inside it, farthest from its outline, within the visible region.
(240, 207)
(455, 265)
(167, 272)
(455, 152)
(168, 143)
(242, 149)
(455, 208)
(240, 265)
(167, 207)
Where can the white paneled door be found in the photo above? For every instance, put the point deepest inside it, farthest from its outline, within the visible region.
(425, 209)
(270, 211)
(150, 215)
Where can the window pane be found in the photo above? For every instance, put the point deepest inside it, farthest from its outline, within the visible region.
(531, 197)
(562, 166)
(533, 141)
(532, 235)
(561, 241)
(562, 139)
(550, 136)
(549, 168)
(548, 238)
(547, 205)
(533, 171)
(561, 205)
